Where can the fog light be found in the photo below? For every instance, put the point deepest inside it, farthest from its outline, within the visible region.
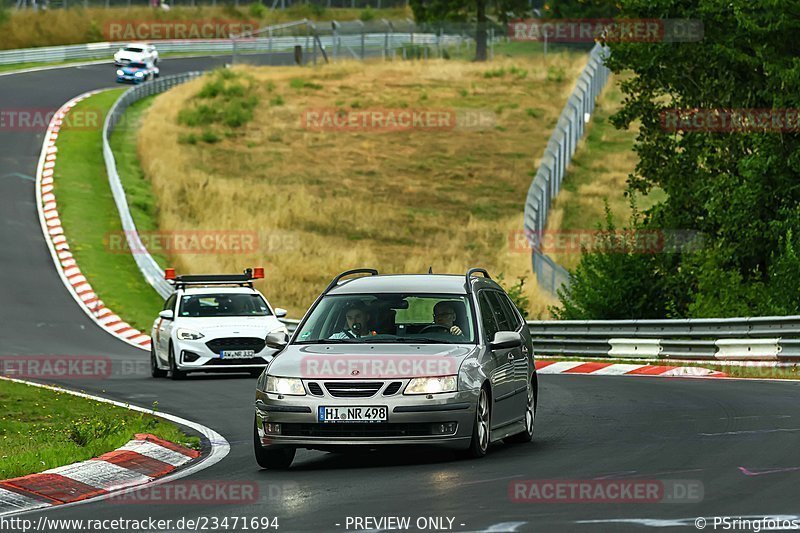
(271, 428)
(448, 428)
(189, 357)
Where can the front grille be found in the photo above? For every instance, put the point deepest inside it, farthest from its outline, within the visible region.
(234, 362)
(236, 343)
(353, 389)
(315, 389)
(376, 429)
(393, 387)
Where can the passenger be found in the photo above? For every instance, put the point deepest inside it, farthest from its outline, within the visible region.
(444, 314)
(357, 323)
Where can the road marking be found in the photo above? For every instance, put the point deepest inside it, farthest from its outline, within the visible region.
(751, 432)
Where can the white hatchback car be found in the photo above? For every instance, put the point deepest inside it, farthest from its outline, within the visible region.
(136, 53)
(214, 323)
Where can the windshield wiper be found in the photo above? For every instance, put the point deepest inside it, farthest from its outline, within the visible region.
(332, 341)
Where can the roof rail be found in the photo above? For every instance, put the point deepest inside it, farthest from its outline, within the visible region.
(245, 280)
(332, 284)
(472, 271)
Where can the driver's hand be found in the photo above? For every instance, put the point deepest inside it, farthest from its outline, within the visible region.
(455, 330)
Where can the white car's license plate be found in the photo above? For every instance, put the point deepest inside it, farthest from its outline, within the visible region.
(237, 354)
(367, 413)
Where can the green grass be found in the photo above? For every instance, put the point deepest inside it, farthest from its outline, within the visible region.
(89, 217)
(141, 200)
(42, 429)
(790, 372)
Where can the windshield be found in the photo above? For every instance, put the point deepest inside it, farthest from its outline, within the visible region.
(390, 318)
(132, 49)
(137, 65)
(216, 305)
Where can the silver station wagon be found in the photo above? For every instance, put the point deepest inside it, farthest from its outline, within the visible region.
(399, 359)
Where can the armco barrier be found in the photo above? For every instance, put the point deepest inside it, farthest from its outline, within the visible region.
(147, 265)
(562, 145)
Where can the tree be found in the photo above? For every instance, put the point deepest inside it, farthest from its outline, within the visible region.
(740, 188)
(438, 12)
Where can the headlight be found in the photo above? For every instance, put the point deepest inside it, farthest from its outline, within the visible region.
(189, 335)
(289, 386)
(120, 73)
(431, 385)
(139, 74)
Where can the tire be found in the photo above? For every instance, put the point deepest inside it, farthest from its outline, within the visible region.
(269, 458)
(530, 419)
(154, 370)
(174, 373)
(482, 428)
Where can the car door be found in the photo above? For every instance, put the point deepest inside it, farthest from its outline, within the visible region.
(164, 330)
(499, 367)
(521, 355)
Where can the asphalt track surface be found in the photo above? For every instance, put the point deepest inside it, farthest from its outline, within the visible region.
(739, 438)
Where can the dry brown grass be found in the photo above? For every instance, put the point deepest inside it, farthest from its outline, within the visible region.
(397, 201)
(598, 173)
(27, 28)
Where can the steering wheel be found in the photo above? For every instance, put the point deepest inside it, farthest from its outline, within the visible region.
(435, 326)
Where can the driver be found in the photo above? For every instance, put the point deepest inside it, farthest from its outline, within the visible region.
(444, 314)
(357, 319)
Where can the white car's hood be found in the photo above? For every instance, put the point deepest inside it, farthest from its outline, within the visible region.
(131, 56)
(245, 326)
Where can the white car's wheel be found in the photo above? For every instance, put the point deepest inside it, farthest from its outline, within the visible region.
(154, 370)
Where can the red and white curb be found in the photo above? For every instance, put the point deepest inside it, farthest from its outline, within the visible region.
(140, 461)
(116, 473)
(621, 369)
(68, 269)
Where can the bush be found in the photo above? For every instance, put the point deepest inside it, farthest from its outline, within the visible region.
(257, 10)
(367, 14)
(555, 74)
(94, 34)
(209, 136)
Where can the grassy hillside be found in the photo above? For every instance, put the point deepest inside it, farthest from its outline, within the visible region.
(325, 201)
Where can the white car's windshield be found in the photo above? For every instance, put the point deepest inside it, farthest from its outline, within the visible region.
(390, 318)
(132, 49)
(216, 305)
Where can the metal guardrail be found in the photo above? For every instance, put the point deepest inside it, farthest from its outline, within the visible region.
(147, 265)
(562, 144)
(739, 339)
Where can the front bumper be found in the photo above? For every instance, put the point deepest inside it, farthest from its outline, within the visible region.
(412, 420)
(196, 356)
(130, 79)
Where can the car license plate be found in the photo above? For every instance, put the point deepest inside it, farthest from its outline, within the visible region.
(236, 354)
(367, 413)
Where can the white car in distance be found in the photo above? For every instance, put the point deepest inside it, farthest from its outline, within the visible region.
(136, 53)
(214, 323)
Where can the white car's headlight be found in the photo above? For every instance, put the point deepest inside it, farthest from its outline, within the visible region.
(288, 386)
(189, 335)
(431, 385)
(120, 73)
(139, 74)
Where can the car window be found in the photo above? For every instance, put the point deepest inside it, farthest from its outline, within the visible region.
(511, 317)
(135, 50)
(170, 303)
(487, 316)
(226, 304)
(390, 318)
(499, 315)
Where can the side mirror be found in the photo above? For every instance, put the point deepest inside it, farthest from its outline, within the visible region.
(504, 340)
(167, 314)
(277, 340)
(280, 312)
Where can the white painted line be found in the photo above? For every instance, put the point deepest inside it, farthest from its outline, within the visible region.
(616, 370)
(557, 368)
